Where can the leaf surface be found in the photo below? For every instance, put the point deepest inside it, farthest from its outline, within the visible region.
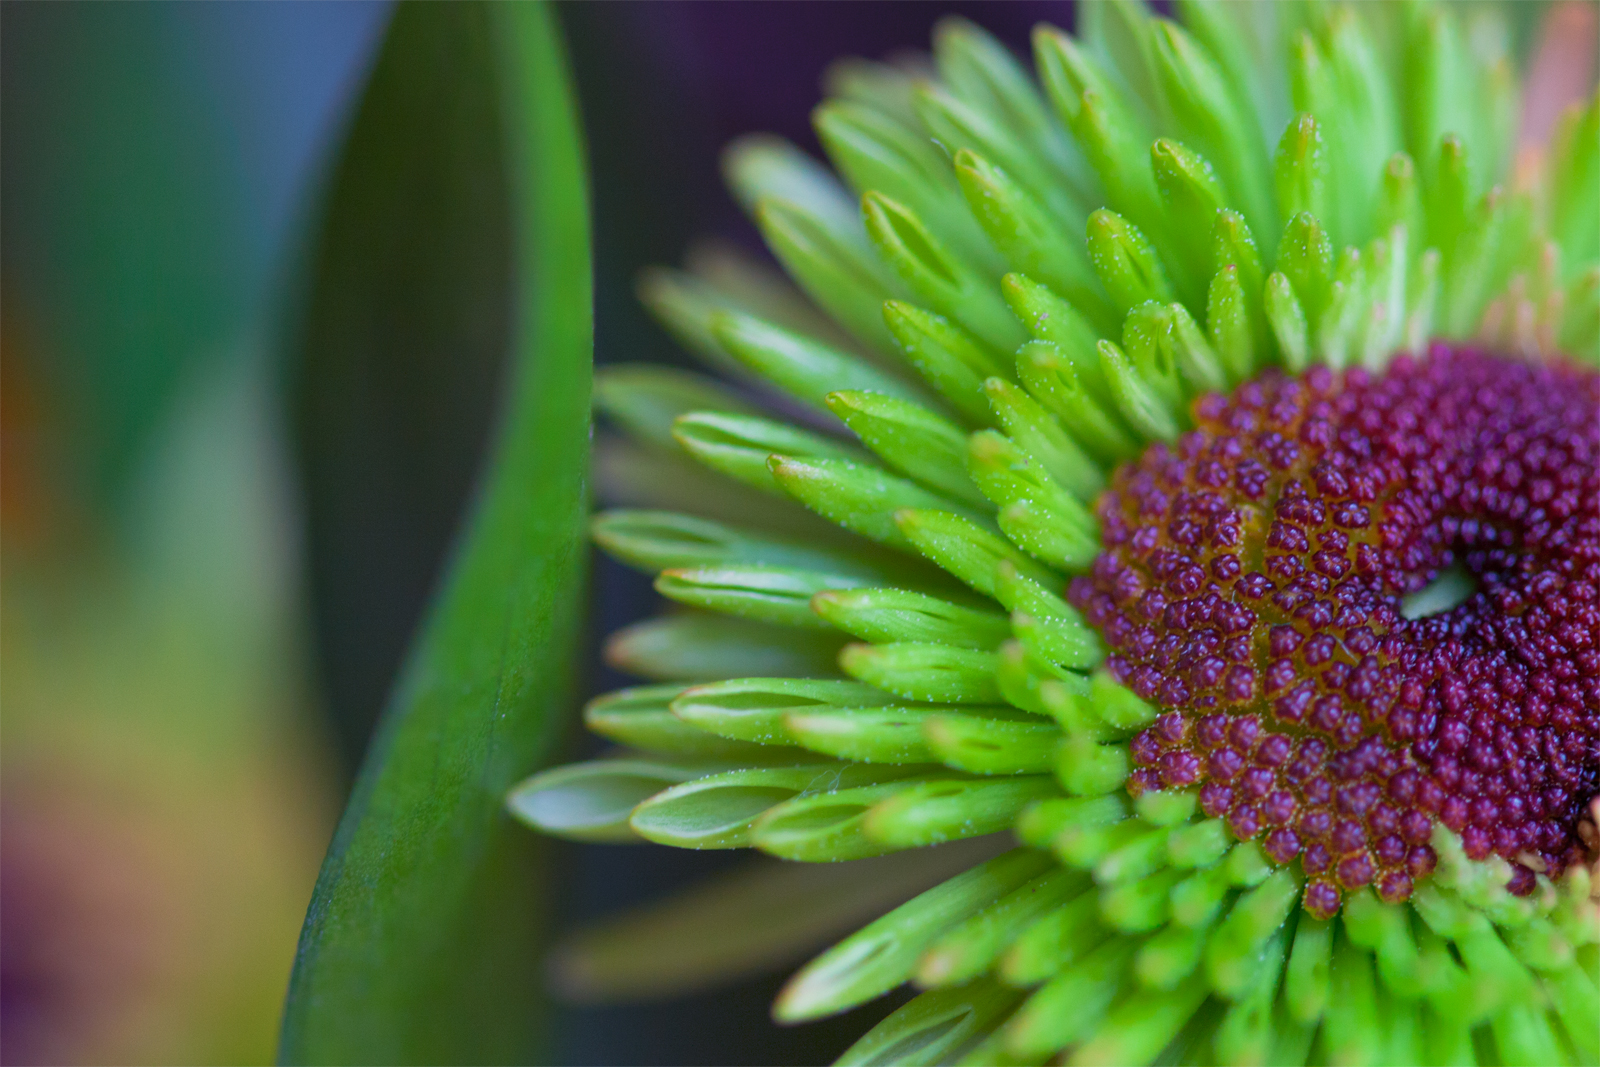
(421, 942)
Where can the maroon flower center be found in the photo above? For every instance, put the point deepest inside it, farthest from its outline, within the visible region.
(1252, 583)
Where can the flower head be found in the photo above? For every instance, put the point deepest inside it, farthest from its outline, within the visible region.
(1206, 458)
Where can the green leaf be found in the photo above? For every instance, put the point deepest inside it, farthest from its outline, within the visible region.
(420, 944)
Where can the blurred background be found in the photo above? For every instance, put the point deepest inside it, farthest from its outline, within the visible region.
(212, 558)
(212, 555)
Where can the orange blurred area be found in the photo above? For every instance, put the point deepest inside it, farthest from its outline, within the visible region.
(164, 798)
(165, 790)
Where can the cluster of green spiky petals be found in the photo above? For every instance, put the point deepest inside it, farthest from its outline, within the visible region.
(1013, 291)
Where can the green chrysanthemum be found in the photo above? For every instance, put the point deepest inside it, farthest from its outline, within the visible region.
(1138, 534)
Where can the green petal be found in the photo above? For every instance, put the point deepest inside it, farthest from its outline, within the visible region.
(593, 801)
(1057, 383)
(753, 709)
(919, 671)
(947, 357)
(1067, 639)
(885, 616)
(1301, 170)
(627, 474)
(779, 595)
(1103, 120)
(889, 734)
(1574, 179)
(835, 265)
(965, 549)
(933, 1028)
(1170, 957)
(1306, 984)
(801, 366)
(641, 718)
(1089, 768)
(1209, 121)
(828, 827)
(1050, 318)
(1038, 433)
(1288, 321)
(968, 950)
(1305, 257)
(991, 746)
(645, 399)
(910, 438)
(740, 446)
(696, 647)
(1006, 475)
(1146, 409)
(983, 72)
(1233, 953)
(762, 167)
(1139, 907)
(857, 496)
(1031, 240)
(1056, 941)
(1126, 261)
(1198, 845)
(1070, 1006)
(938, 276)
(884, 953)
(1350, 1029)
(1046, 820)
(876, 153)
(1230, 325)
(761, 915)
(1192, 196)
(720, 811)
(1137, 1029)
(655, 541)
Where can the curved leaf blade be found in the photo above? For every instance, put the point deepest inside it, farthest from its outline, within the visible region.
(421, 941)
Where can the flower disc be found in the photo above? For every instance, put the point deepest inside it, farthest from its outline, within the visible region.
(1253, 583)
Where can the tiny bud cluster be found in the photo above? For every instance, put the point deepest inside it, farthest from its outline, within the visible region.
(1252, 585)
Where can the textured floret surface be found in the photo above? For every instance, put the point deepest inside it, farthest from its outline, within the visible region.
(1254, 581)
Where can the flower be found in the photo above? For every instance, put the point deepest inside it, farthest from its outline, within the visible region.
(1241, 558)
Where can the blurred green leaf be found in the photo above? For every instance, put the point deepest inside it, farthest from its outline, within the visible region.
(421, 941)
(129, 240)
